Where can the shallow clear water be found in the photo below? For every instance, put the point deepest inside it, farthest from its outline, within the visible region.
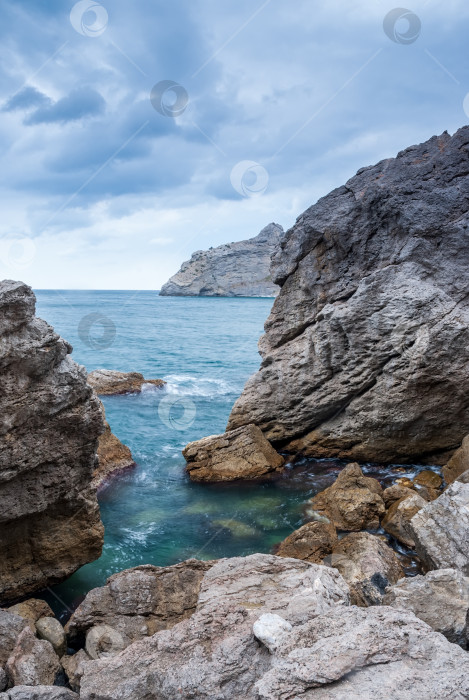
(205, 348)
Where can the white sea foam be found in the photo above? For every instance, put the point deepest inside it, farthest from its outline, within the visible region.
(186, 385)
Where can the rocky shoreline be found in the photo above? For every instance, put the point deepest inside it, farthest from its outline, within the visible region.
(365, 358)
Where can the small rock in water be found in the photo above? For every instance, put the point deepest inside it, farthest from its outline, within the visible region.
(397, 519)
(312, 542)
(429, 479)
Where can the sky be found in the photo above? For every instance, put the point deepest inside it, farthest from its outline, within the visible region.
(134, 133)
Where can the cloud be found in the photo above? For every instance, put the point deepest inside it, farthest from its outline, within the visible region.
(79, 104)
(27, 98)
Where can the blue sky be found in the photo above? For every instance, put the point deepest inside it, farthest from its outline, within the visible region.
(277, 103)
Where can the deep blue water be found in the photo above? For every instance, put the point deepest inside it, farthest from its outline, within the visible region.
(205, 348)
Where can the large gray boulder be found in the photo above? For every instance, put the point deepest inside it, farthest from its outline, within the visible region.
(270, 628)
(366, 350)
(50, 423)
(440, 530)
(231, 270)
(440, 598)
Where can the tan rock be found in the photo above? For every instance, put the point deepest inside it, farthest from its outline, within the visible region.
(113, 456)
(110, 382)
(74, 668)
(238, 454)
(395, 493)
(398, 517)
(32, 661)
(353, 502)
(312, 542)
(458, 464)
(429, 479)
(51, 630)
(368, 565)
(32, 609)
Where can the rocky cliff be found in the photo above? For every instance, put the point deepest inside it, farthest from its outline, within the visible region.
(366, 350)
(50, 422)
(239, 269)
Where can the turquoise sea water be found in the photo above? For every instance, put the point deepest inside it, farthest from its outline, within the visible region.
(205, 348)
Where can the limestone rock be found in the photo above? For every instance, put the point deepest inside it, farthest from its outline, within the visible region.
(311, 642)
(74, 668)
(441, 530)
(238, 454)
(32, 609)
(109, 382)
(138, 602)
(366, 350)
(113, 456)
(353, 502)
(103, 641)
(458, 464)
(398, 517)
(49, 428)
(50, 629)
(311, 542)
(368, 565)
(32, 661)
(38, 692)
(440, 598)
(11, 626)
(233, 270)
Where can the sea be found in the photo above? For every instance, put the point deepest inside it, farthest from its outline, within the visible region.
(205, 349)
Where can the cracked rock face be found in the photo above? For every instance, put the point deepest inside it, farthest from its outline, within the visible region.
(239, 269)
(366, 350)
(50, 422)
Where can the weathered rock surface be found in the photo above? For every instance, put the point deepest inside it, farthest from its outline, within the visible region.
(458, 464)
(11, 626)
(440, 598)
(49, 428)
(138, 602)
(395, 493)
(74, 668)
(51, 630)
(233, 270)
(311, 542)
(368, 565)
(32, 661)
(268, 628)
(110, 382)
(441, 530)
(238, 454)
(353, 502)
(113, 456)
(32, 609)
(398, 517)
(366, 350)
(42, 692)
(103, 641)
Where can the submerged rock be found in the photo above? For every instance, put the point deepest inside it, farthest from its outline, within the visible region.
(231, 270)
(50, 422)
(441, 530)
(368, 565)
(109, 382)
(366, 350)
(113, 456)
(238, 454)
(458, 464)
(311, 542)
(353, 502)
(269, 628)
(440, 598)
